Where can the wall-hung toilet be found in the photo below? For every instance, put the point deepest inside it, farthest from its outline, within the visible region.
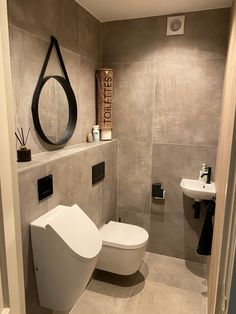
(123, 248)
(66, 245)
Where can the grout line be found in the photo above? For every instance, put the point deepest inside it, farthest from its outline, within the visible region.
(180, 259)
(131, 291)
(117, 180)
(102, 44)
(47, 40)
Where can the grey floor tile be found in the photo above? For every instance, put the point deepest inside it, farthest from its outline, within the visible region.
(163, 285)
(157, 298)
(175, 272)
(107, 293)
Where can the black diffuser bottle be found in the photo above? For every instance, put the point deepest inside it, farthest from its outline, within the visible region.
(23, 154)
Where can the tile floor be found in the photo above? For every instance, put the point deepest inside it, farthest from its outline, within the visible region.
(163, 285)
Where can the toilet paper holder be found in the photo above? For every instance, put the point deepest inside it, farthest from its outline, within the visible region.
(157, 191)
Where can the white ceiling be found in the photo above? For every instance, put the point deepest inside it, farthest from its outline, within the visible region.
(111, 10)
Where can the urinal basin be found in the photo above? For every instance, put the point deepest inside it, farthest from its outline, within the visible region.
(198, 189)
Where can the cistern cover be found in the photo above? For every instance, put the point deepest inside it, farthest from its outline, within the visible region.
(123, 235)
(74, 230)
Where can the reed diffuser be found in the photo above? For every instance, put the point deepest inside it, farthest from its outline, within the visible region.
(23, 154)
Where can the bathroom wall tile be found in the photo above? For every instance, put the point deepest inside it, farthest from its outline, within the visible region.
(186, 129)
(171, 163)
(83, 193)
(158, 298)
(186, 113)
(136, 197)
(176, 235)
(87, 99)
(109, 185)
(135, 150)
(89, 36)
(129, 40)
(72, 181)
(175, 272)
(135, 217)
(31, 209)
(201, 38)
(133, 101)
(211, 41)
(61, 171)
(60, 18)
(199, 92)
(134, 176)
(134, 171)
(27, 57)
(173, 230)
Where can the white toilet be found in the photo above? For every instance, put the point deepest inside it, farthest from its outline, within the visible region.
(66, 245)
(123, 248)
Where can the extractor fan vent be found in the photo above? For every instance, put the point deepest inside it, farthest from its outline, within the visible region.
(175, 25)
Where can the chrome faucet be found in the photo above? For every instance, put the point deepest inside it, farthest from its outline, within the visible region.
(207, 172)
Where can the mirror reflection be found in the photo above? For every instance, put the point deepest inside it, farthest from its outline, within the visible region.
(53, 110)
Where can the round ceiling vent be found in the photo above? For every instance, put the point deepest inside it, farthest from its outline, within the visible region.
(175, 25)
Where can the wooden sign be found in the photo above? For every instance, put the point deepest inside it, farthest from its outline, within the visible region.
(104, 98)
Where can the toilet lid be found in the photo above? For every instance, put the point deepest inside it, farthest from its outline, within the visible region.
(123, 235)
(76, 232)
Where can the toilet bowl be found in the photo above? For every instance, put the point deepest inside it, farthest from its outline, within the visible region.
(123, 248)
(66, 245)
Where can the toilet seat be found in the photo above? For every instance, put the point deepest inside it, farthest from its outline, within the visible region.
(123, 236)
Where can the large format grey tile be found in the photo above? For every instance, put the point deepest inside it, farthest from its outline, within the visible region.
(87, 97)
(27, 56)
(90, 31)
(175, 235)
(205, 36)
(171, 163)
(109, 185)
(201, 86)
(173, 230)
(135, 217)
(82, 192)
(186, 112)
(102, 298)
(157, 298)
(45, 18)
(175, 272)
(129, 40)
(31, 209)
(133, 101)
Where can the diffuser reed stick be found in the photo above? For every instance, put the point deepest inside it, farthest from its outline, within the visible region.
(21, 138)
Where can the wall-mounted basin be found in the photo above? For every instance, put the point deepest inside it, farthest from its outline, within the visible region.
(198, 189)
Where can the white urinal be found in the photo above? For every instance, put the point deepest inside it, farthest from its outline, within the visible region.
(66, 245)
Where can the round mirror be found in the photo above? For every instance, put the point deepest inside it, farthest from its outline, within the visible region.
(54, 110)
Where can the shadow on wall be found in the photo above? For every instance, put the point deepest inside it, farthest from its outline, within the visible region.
(176, 233)
(193, 227)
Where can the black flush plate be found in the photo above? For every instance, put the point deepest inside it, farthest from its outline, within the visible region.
(45, 187)
(98, 172)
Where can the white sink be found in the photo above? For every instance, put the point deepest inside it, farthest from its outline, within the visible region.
(198, 189)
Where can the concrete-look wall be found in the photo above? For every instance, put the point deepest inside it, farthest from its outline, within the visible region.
(79, 37)
(72, 184)
(166, 115)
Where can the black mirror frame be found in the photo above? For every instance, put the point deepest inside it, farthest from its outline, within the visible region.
(65, 83)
